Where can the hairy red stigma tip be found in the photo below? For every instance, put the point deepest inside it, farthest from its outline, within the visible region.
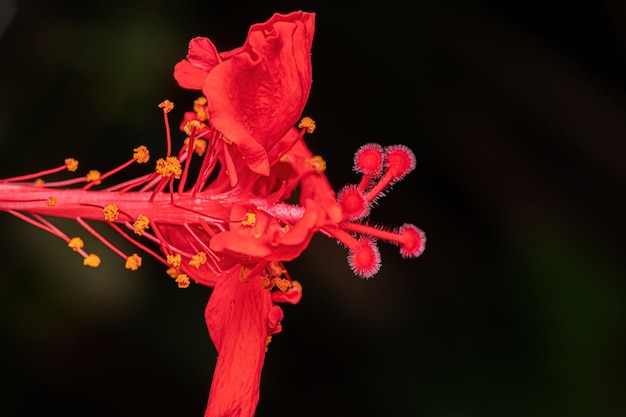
(353, 203)
(364, 259)
(414, 241)
(368, 159)
(400, 160)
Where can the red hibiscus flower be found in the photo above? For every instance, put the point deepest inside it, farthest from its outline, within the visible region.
(233, 226)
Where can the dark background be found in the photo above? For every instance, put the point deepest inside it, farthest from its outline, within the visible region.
(515, 111)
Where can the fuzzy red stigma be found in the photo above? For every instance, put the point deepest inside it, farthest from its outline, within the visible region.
(353, 203)
(399, 161)
(413, 241)
(368, 159)
(364, 258)
(356, 202)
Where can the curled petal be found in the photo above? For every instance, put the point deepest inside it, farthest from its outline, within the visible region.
(258, 93)
(203, 54)
(274, 317)
(292, 296)
(189, 76)
(201, 58)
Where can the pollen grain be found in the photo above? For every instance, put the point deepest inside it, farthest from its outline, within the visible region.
(76, 244)
(308, 124)
(167, 106)
(141, 224)
(111, 212)
(92, 260)
(141, 154)
(71, 164)
(133, 262)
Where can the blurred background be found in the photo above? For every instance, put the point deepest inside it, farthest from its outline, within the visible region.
(515, 111)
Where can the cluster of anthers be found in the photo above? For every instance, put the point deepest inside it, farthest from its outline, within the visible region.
(201, 218)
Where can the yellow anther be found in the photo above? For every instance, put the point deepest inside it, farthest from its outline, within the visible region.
(141, 224)
(282, 283)
(199, 147)
(193, 126)
(174, 260)
(39, 182)
(250, 220)
(133, 262)
(111, 212)
(141, 154)
(199, 106)
(198, 259)
(92, 260)
(71, 164)
(169, 167)
(76, 244)
(268, 340)
(172, 272)
(183, 281)
(297, 285)
(307, 123)
(317, 163)
(267, 283)
(52, 201)
(243, 272)
(276, 269)
(93, 175)
(167, 106)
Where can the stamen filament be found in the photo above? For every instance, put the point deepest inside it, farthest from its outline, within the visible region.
(167, 129)
(109, 173)
(130, 184)
(231, 171)
(65, 183)
(31, 221)
(138, 244)
(206, 228)
(183, 179)
(36, 174)
(159, 188)
(208, 164)
(101, 238)
(153, 181)
(144, 234)
(167, 247)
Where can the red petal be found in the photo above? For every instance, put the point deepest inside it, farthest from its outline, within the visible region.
(189, 76)
(292, 296)
(234, 242)
(270, 241)
(203, 54)
(258, 94)
(237, 318)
